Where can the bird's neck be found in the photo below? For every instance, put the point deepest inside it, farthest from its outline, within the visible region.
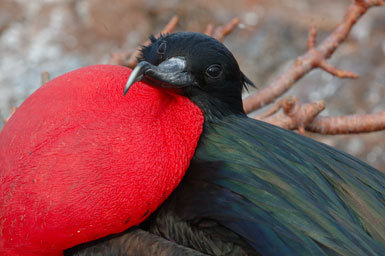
(215, 109)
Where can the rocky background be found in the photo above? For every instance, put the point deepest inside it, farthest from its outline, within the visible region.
(61, 35)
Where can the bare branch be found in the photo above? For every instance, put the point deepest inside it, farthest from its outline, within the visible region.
(169, 28)
(337, 72)
(295, 116)
(129, 59)
(13, 110)
(171, 25)
(221, 32)
(348, 124)
(45, 77)
(312, 37)
(314, 57)
(301, 117)
(120, 58)
(209, 29)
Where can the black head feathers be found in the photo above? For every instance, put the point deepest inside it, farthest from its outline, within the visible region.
(197, 66)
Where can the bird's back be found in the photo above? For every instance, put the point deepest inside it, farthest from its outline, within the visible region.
(282, 193)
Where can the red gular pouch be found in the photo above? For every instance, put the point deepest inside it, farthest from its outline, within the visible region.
(79, 161)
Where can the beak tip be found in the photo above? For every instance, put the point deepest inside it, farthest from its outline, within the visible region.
(125, 90)
(136, 75)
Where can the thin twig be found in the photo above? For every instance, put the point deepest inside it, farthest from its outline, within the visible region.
(45, 77)
(13, 110)
(169, 28)
(119, 58)
(221, 32)
(209, 29)
(337, 72)
(130, 58)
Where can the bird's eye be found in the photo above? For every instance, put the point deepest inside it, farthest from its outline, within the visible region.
(214, 71)
(162, 48)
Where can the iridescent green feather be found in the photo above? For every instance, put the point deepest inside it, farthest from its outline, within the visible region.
(284, 193)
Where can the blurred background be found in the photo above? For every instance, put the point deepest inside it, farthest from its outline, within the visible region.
(61, 35)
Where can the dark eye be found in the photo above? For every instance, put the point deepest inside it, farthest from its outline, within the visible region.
(162, 48)
(214, 71)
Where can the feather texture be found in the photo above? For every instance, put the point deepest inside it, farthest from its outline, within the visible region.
(283, 193)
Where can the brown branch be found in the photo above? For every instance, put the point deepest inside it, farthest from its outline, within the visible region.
(130, 59)
(321, 62)
(337, 72)
(209, 29)
(295, 116)
(314, 57)
(169, 28)
(221, 32)
(312, 37)
(348, 124)
(13, 110)
(301, 117)
(120, 58)
(45, 77)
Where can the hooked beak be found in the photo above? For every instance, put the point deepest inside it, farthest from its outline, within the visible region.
(171, 73)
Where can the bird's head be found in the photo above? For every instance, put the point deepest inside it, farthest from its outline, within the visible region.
(197, 66)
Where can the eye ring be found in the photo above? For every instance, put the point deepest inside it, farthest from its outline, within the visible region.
(214, 71)
(162, 48)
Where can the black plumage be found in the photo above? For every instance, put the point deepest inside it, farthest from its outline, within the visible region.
(282, 193)
(253, 188)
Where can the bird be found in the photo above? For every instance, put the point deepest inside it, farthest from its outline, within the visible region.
(79, 161)
(253, 188)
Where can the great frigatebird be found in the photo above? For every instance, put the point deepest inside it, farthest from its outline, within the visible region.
(253, 188)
